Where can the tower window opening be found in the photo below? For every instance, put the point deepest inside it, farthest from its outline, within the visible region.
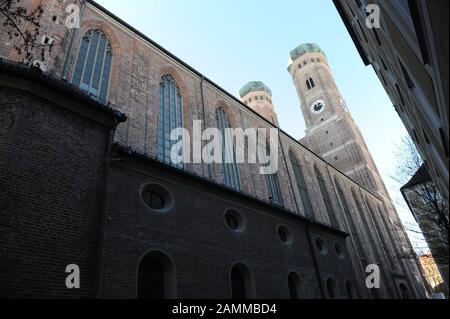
(310, 83)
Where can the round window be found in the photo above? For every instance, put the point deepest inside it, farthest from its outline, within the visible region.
(234, 220)
(339, 251)
(285, 235)
(153, 199)
(321, 245)
(157, 198)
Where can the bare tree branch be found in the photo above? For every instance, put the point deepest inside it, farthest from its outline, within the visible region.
(24, 27)
(430, 209)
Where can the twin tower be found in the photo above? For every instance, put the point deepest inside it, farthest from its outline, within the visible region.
(330, 130)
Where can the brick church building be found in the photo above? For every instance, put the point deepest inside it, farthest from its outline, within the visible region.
(86, 179)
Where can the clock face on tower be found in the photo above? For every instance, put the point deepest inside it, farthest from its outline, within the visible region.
(318, 106)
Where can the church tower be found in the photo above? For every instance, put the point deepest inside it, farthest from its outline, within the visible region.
(259, 98)
(332, 134)
(330, 130)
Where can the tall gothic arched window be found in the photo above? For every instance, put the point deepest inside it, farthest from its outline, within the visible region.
(273, 185)
(387, 227)
(326, 197)
(350, 219)
(367, 230)
(365, 223)
(93, 66)
(170, 117)
(379, 232)
(310, 83)
(301, 185)
(230, 170)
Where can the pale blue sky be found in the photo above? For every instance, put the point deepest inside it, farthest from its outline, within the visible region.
(233, 42)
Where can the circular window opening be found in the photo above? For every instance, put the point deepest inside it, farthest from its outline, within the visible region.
(339, 251)
(153, 200)
(157, 198)
(234, 220)
(285, 235)
(321, 246)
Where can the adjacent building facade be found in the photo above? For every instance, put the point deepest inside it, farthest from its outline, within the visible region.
(409, 52)
(431, 213)
(432, 274)
(159, 229)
